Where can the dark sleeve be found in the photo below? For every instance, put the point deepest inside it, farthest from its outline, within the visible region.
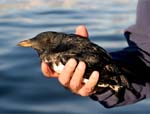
(136, 60)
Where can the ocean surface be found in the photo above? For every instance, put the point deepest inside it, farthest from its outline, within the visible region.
(23, 88)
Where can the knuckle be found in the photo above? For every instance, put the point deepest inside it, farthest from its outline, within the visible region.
(74, 86)
(71, 64)
(64, 82)
(81, 66)
(83, 94)
(87, 89)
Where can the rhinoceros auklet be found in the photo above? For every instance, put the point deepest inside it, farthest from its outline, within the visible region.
(56, 48)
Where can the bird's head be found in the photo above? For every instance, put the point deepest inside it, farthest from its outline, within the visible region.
(42, 42)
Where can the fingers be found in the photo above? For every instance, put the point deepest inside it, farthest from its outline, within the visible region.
(88, 88)
(66, 74)
(72, 78)
(76, 80)
(82, 30)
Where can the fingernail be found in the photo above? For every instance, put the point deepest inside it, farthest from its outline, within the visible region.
(95, 74)
(71, 62)
(81, 65)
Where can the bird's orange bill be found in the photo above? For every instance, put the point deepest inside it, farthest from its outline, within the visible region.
(25, 43)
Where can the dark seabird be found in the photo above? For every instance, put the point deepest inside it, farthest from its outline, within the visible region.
(56, 48)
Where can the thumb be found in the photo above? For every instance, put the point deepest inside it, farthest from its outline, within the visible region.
(82, 31)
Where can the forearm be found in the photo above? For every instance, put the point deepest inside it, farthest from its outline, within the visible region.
(108, 99)
(130, 59)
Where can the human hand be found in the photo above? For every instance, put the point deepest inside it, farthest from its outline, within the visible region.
(71, 76)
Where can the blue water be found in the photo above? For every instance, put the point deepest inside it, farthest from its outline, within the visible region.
(23, 88)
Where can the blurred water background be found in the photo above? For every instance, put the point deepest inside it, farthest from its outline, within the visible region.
(23, 88)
